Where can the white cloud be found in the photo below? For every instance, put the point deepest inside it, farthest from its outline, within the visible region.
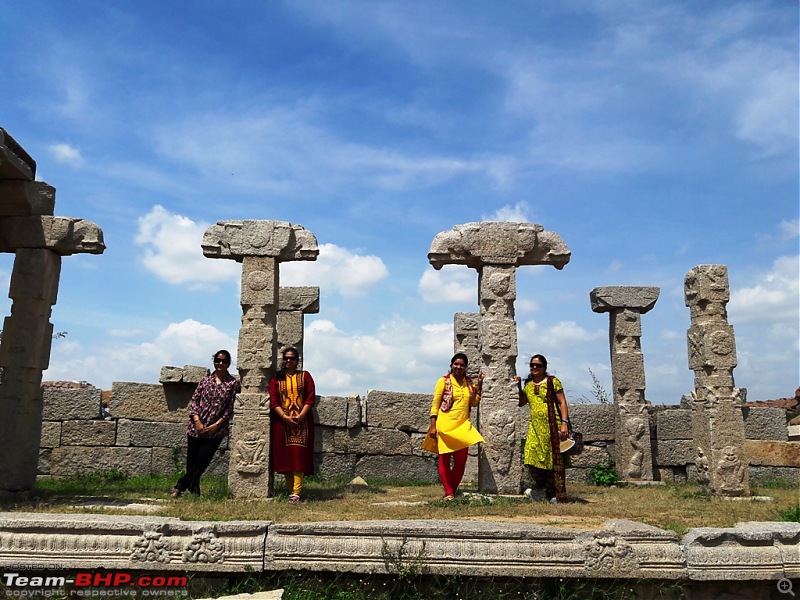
(773, 299)
(337, 269)
(172, 251)
(789, 229)
(66, 154)
(123, 333)
(186, 343)
(453, 283)
(515, 214)
(526, 306)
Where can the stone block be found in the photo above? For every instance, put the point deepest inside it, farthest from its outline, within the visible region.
(15, 162)
(594, 421)
(371, 440)
(416, 468)
(69, 461)
(765, 423)
(331, 411)
(672, 453)
(70, 403)
(277, 239)
(323, 439)
(193, 374)
(628, 370)
(774, 454)
(149, 433)
(304, 299)
(170, 375)
(590, 457)
(43, 467)
(608, 298)
(61, 235)
(168, 461)
(88, 433)
(670, 474)
(150, 402)
(22, 198)
(51, 434)
(396, 410)
(767, 475)
(331, 465)
(674, 424)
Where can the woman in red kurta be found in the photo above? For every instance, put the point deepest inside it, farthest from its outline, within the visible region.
(291, 396)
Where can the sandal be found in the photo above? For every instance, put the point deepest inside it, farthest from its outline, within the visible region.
(174, 493)
(449, 498)
(294, 499)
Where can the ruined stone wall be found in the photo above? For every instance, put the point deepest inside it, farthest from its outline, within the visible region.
(378, 436)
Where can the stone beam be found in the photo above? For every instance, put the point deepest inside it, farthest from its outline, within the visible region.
(304, 299)
(513, 244)
(626, 304)
(22, 198)
(495, 250)
(15, 163)
(260, 246)
(293, 304)
(275, 239)
(62, 235)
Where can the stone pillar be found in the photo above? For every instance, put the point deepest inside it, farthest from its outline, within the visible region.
(38, 240)
(465, 339)
(260, 246)
(293, 304)
(717, 422)
(495, 250)
(626, 305)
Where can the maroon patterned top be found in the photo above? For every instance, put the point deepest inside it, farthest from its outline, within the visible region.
(212, 401)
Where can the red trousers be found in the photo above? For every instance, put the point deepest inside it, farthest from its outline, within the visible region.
(451, 475)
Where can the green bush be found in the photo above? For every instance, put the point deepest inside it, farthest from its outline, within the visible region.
(604, 474)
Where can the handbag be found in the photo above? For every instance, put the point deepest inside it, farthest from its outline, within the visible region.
(576, 437)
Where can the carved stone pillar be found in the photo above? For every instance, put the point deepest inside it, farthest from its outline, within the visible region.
(39, 240)
(717, 422)
(293, 304)
(465, 339)
(260, 246)
(495, 250)
(626, 305)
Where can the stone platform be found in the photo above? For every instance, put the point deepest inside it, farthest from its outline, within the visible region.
(749, 552)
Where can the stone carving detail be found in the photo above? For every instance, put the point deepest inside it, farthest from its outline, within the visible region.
(701, 464)
(495, 250)
(151, 547)
(625, 306)
(609, 553)
(717, 422)
(39, 240)
(204, 547)
(260, 246)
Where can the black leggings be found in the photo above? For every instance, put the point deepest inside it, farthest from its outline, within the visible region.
(199, 453)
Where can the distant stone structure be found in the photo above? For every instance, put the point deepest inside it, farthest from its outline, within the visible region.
(717, 424)
(626, 305)
(39, 240)
(293, 304)
(465, 339)
(260, 246)
(495, 250)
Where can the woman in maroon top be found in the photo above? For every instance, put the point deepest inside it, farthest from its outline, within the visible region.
(210, 412)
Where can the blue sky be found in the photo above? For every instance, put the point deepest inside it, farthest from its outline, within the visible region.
(652, 136)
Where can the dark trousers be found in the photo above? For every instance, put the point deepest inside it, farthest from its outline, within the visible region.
(199, 453)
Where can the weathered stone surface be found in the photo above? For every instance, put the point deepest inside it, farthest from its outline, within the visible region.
(277, 239)
(767, 475)
(674, 424)
(765, 424)
(397, 410)
(150, 402)
(88, 433)
(77, 460)
(304, 299)
(149, 433)
(331, 411)
(15, 162)
(609, 298)
(62, 235)
(591, 456)
(170, 375)
(43, 467)
(775, 454)
(674, 452)
(61, 404)
(194, 373)
(51, 434)
(466, 339)
(517, 244)
(673, 474)
(335, 465)
(24, 198)
(131, 543)
(371, 440)
(417, 468)
(189, 374)
(594, 421)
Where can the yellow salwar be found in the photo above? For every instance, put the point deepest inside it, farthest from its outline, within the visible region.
(453, 427)
(538, 450)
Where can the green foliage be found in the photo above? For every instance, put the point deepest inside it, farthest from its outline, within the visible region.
(402, 560)
(598, 391)
(604, 474)
(791, 515)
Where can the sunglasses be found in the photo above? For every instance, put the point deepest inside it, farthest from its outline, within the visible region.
(289, 358)
(537, 366)
(224, 361)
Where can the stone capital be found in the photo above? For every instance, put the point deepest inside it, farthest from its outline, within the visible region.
(498, 243)
(304, 299)
(609, 298)
(62, 235)
(275, 239)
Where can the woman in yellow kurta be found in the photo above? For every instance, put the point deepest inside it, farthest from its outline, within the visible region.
(450, 433)
(547, 428)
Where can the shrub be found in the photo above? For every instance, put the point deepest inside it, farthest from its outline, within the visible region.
(604, 474)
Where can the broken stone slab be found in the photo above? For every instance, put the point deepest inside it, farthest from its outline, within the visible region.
(277, 239)
(504, 243)
(300, 298)
(609, 298)
(187, 374)
(62, 235)
(22, 198)
(15, 163)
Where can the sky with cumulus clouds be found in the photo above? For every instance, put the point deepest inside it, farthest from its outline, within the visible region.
(651, 136)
